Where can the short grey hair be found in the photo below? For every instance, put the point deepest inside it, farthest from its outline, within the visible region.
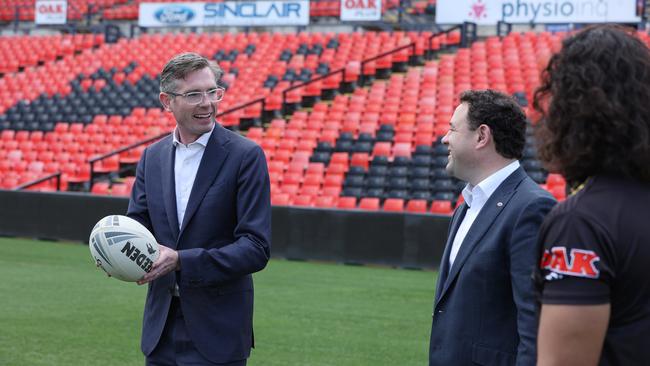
(182, 64)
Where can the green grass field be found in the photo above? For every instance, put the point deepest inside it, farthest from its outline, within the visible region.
(57, 309)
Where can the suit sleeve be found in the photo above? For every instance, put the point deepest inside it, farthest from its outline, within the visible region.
(138, 209)
(250, 251)
(523, 260)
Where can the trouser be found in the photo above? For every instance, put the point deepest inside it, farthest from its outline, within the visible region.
(175, 347)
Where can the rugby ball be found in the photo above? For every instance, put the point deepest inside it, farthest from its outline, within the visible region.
(123, 247)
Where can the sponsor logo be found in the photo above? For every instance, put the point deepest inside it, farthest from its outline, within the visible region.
(579, 263)
(360, 4)
(50, 9)
(554, 8)
(150, 249)
(174, 14)
(137, 257)
(478, 10)
(252, 10)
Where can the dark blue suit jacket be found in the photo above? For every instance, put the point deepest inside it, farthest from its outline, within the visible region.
(484, 311)
(225, 236)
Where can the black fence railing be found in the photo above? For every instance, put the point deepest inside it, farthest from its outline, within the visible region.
(286, 91)
(468, 35)
(96, 159)
(56, 175)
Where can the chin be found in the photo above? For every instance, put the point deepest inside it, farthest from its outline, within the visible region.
(450, 170)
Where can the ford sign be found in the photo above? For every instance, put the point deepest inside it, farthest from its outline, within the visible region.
(174, 14)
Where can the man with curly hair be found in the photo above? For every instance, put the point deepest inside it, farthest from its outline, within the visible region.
(595, 247)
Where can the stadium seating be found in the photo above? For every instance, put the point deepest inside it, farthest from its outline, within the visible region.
(20, 52)
(106, 94)
(377, 147)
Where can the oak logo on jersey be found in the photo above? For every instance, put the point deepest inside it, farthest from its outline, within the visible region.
(580, 263)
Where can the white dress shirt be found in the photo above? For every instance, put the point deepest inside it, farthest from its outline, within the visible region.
(475, 198)
(187, 161)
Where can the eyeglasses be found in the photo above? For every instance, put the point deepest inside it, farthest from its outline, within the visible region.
(196, 97)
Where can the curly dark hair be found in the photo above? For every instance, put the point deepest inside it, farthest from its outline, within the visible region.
(503, 115)
(594, 103)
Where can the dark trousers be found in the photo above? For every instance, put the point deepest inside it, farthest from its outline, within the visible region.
(175, 347)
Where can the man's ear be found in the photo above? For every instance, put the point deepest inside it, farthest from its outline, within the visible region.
(484, 136)
(165, 100)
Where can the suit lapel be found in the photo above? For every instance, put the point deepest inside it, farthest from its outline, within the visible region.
(169, 187)
(457, 218)
(213, 158)
(489, 213)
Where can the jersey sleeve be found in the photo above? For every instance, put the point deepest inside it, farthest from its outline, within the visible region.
(576, 265)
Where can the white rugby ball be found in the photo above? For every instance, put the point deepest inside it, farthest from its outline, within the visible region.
(123, 247)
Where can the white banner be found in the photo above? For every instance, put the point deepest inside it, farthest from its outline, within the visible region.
(228, 13)
(50, 11)
(489, 12)
(364, 10)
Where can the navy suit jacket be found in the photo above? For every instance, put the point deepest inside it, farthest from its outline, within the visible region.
(225, 236)
(484, 310)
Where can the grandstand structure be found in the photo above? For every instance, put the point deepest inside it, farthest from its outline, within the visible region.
(346, 120)
(350, 115)
(375, 147)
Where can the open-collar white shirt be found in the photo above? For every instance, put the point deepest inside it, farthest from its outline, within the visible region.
(186, 165)
(475, 198)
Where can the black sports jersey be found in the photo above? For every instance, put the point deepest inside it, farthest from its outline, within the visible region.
(596, 250)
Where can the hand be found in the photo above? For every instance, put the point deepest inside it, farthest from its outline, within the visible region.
(167, 261)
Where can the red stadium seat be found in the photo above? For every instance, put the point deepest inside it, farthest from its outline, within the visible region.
(369, 204)
(301, 200)
(100, 188)
(417, 206)
(280, 199)
(441, 207)
(347, 202)
(121, 190)
(394, 205)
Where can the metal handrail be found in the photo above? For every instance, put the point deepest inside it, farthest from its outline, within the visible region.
(95, 159)
(242, 106)
(452, 29)
(56, 175)
(387, 53)
(310, 81)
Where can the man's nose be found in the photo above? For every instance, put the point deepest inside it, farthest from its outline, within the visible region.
(445, 138)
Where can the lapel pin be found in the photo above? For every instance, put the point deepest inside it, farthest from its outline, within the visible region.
(499, 204)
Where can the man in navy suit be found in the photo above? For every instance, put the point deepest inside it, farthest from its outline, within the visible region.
(204, 194)
(484, 310)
